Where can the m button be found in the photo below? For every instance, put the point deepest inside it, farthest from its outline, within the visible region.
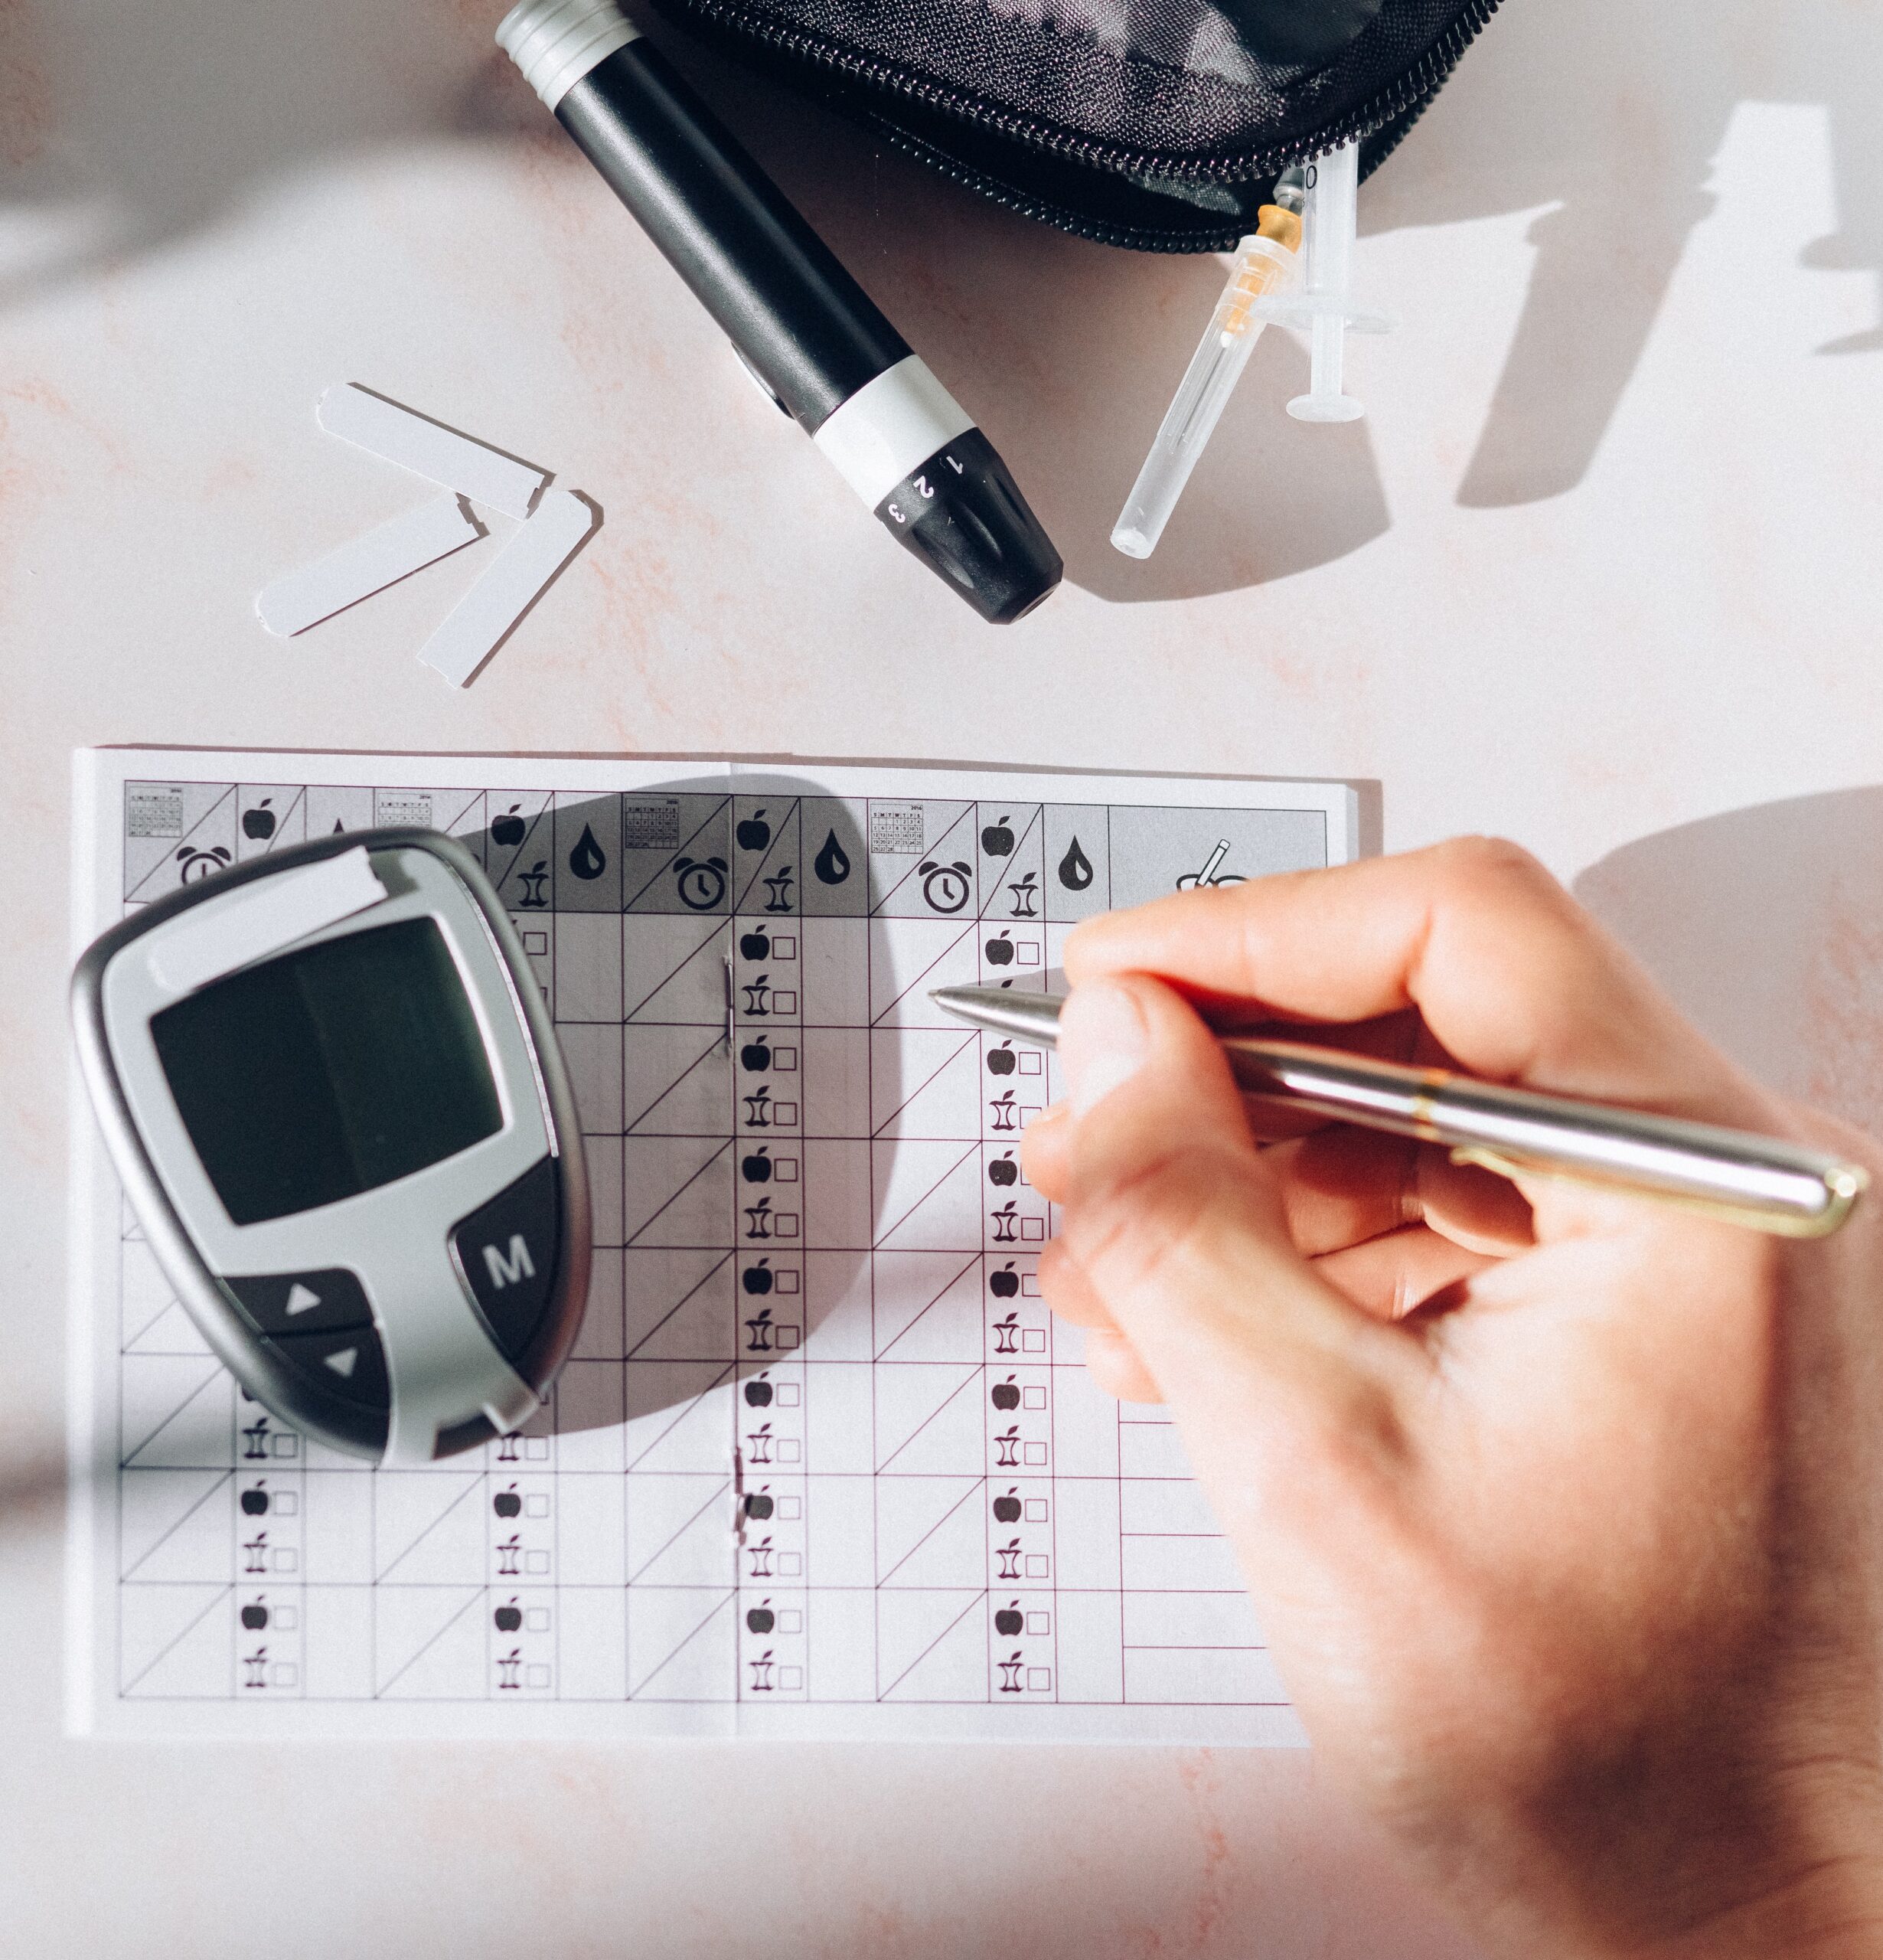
(507, 1250)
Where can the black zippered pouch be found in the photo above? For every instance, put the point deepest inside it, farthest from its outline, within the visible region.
(1159, 124)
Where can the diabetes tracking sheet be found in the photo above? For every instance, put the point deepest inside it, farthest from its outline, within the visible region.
(821, 1464)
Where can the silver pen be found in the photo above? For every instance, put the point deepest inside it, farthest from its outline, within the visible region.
(1759, 1181)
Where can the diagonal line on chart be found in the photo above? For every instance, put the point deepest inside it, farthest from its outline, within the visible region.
(222, 1593)
(718, 1607)
(710, 816)
(227, 792)
(684, 1188)
(888, 1232)
(471, 1484)
(946, 1291)
(932, 852)
(685, 1410)
(718, 1265)
(412, 1660)
(1037, 822)
(974, 1369)
(715, 1038)
(215, 1484)
(974, 1485)
(208, 1381)
(680, 1529)
(931, 1646)
(131, 1341)
(947, 1063)
(720, 928)
(966, 932)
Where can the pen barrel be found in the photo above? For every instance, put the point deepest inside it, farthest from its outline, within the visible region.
(1766, 1181)
(808, 332)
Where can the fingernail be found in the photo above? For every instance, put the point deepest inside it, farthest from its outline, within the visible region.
(1103, 1041)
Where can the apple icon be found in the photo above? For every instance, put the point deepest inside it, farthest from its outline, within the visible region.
(997, 840)
(755, 1057)
(1006, 1509)
(754, 834)
(1004, 1170)
(1005, 1396)
(756, 1169)
(509, 830)
(754, 945)
(254, 1617)
(759, 1394)
(1007, 1623)
(509, 1618)
(507, 1504)
(1004, 1284)
(1000, 951)
(258, 823)
(761, 1619)
(255, 1503)
(1001, 1060)
(759, 1505)
(757, 1279)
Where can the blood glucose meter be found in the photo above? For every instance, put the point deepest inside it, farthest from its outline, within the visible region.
(333, 1097)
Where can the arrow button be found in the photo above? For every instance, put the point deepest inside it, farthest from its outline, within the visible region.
(350, 1363)
(329, 1302)
(343, 1363)
(301, 1299)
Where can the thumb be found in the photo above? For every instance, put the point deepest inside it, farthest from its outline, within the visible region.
(1174, 1223)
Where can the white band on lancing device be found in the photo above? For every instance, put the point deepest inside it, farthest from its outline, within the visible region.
(890, 427)
(556, 42)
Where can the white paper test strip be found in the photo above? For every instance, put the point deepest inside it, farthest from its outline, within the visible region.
(429, 449)
(485, 617)
(367, 564)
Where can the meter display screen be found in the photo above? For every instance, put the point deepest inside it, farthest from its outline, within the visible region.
(323, 1074)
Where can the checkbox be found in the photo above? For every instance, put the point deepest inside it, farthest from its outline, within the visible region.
(1038, 1622)
(790, 1621)
(791, 1677)
(1030, 1061)
(783, 949)
(787, 1336)
(790, 1564)
(1033, 1230)
(285, 1503)
(284, 1619)
(1028, 952)
(1036, 1565)
(284, 1674)
(1033, 1340)
(1033, 1455)
(284, 1558)
(789, 1449)
(1028, 1112)
(536, 1675)
(535, 1562)
(537, 1506)
(784, 1061)
(787, 1284)
(791, 1506)
(784, 1115)
(1034, 1398)
(1029, 1285)
(787, 1224)
(785, 1171)
(537, 1619)
(784, 1002)
(537, 944)
(1039, 1680)
(536, 1449)
(1036, 1511)
(788, 1395)
(280, 1445)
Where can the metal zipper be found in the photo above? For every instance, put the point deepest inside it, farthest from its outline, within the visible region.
(1407, 94)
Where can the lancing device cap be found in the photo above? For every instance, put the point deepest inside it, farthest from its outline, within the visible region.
(809, 334)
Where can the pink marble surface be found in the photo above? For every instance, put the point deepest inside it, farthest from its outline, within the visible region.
(1599, 571)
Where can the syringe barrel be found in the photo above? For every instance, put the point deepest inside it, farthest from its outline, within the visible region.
(1332, 218)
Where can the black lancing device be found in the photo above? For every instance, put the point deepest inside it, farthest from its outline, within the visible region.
(809, 334)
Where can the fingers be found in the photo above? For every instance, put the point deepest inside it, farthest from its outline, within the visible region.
(1510, 975)
(1181, 1238)
(1396, 1275)
(1113, 1364)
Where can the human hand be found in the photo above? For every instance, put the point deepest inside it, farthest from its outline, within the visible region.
(1562, 1512)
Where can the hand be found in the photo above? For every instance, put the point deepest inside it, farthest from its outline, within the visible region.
(1562, 1512)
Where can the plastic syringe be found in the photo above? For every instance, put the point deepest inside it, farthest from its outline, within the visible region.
(1325, 306)
(1264, 263)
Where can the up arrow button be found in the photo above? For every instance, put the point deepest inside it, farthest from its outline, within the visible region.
(330, 1302)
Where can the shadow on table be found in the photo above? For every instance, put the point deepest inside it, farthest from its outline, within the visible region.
(1068, 352)
(1766, 926)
